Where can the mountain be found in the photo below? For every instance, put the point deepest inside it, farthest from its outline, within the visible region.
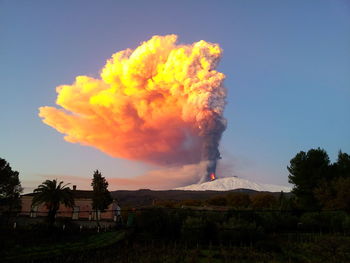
(231, 183)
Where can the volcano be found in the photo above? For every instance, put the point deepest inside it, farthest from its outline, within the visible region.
(232, 183)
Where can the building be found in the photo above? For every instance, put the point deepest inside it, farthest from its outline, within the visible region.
(82, 209)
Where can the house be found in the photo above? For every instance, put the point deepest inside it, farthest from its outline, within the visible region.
(82, 209)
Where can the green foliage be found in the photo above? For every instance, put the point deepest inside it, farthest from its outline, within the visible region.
(286, 203)
(238, 230)
(10, 186)
(107, 248)
(319, 184)
(325, 222)
(328, 249)
(307, 171)
(101, 196)
(342, 166)
(159, 222)
(325, 194)
(192, 229)
(279, 222)
(334, 195)
(203, 229)
(52, 194)
(45, 252)
(342, 196)
(312, 222)
(186, 235)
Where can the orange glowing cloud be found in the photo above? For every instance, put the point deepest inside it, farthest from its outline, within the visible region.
(154, 104)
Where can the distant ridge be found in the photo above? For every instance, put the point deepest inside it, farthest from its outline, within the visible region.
(232, 183)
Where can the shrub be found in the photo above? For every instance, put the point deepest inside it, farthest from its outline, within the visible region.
(263, 201)
(158, 223)
(217, 201)
(191, 203)
(240, 231)
(238, 200)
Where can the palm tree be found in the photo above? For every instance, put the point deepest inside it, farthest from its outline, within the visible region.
(52, 195)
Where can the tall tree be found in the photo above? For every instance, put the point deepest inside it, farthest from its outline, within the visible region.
(52, 194)
(307, 172)
(101, 196)
(342, 199)
(10, 187)
(342, 165)
(336, 194)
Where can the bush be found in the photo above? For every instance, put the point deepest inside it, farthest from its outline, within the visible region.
(325, 221)
(200, 229)
(276, 221)
(238, 200)
(167, 203)
(158, 223)
(263, 201)
(191, 203)
(337, 221)
(217, 201)
(240, 231)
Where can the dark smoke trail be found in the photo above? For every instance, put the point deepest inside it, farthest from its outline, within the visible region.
(212, 131)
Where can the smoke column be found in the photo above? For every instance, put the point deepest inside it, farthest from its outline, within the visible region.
(161, 103)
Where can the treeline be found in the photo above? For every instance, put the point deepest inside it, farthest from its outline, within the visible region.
(236, 200)
(318, 183)
(234, 227)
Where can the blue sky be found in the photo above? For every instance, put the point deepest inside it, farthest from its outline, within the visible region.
(287, 67)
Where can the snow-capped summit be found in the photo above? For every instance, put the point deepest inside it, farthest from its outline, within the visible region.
(231, 183)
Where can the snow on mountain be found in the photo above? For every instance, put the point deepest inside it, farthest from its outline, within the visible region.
(231, 183)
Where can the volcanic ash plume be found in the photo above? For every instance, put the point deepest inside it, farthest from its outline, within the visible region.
(160, 103)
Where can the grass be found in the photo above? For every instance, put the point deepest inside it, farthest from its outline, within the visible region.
(105, 248)
(94, 241)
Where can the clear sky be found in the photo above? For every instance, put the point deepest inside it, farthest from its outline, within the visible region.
(287, 67)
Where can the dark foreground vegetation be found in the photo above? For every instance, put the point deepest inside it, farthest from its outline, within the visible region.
(187, 235)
